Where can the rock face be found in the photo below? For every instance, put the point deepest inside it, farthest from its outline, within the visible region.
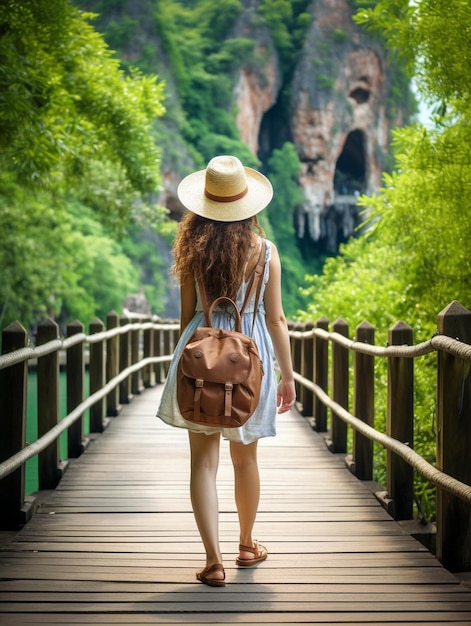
(337, 119)
(258, 84)
(254, 99)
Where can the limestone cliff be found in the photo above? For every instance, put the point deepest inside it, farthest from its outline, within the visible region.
(258, 81)
(337, 118)
(338, 121)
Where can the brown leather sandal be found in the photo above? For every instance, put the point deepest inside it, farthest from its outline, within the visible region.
(204, 576)
(260, 554)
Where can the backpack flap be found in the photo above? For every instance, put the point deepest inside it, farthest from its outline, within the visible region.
(219, 378)
(217, 356)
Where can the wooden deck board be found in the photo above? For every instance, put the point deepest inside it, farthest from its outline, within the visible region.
(172, 615)
(116, 542)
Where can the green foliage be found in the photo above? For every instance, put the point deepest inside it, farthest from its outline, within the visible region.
(325, 81)
(66, 104)
(339, 35)
(288, 21)
(75, 131)
(284, 169)
(228, 56)
(358, 285)
(214, 22)
(96, 275)
(202, 57)
(142, 247)
(57, 260)
(119, 33)
(31, 229)
(413, 258)
(423, 212)
(166, 23)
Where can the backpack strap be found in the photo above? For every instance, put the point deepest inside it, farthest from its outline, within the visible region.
(255, 285)
(255, 280)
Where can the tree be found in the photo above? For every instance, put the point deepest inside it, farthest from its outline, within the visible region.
(73, 127)
(413, 258)
(66, 105)
(423, 210)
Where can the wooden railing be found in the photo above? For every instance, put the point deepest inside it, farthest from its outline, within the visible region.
(122, 360)
(130, 355)
(317, 375)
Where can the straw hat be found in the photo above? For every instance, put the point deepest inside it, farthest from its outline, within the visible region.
(225, 191)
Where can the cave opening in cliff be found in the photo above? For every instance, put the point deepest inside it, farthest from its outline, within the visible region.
(350, 169)
(274, 131)
(360, 95)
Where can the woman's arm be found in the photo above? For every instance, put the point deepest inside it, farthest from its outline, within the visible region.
(278, 329)
(187, 302)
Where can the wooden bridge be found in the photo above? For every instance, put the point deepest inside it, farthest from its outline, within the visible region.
(114, 540)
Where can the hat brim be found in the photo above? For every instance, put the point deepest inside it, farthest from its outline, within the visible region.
(191, 194)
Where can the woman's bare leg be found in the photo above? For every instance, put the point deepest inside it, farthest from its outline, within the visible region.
(247, 490)
(204, 498)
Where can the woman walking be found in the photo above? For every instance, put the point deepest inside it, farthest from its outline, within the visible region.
(218, 245)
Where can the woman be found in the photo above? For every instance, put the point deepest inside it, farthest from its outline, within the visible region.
(219, 243)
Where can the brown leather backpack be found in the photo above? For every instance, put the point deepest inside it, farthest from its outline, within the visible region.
(219, 373)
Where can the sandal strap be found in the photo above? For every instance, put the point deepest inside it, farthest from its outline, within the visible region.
(243, 548)
(217, 567)
(252, 549)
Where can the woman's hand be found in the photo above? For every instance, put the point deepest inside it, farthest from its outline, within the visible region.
(286, 396)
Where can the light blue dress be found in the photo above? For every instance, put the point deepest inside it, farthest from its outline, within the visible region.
(263, 421)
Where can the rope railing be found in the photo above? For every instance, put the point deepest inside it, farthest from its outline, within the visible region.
(17, 460)
(28, 353)
(127, 356)
(427, 470)
(324, 380)
(437, 342)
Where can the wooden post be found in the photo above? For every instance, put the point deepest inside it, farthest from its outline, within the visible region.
(75, 381)
(400, 424)
(363, 404)
(321, 375)
(158, 351)
(307, 397)
(96, 370)
(175, 338)
(48, 406)
(298, 356)
(13, 385)
(112, 365)
(300, 327)
(148, 375)
(167, 346)
(340, 388)
(454, 441)
(136, 377)
(125, 395)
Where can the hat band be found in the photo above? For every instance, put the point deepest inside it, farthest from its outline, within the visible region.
(238, 196)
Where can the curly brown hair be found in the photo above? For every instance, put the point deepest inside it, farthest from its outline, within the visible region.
(213, 251)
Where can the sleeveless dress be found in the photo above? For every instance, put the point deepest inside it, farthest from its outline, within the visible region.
(263, 421)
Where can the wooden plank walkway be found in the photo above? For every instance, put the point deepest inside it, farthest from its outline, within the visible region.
(116, 542)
